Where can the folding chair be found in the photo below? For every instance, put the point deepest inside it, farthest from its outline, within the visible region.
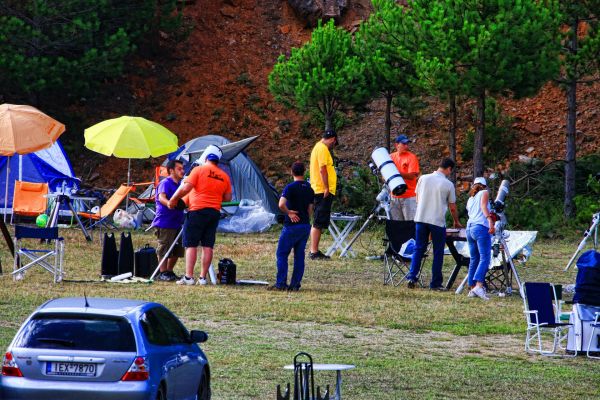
(396, 264)
(594, 326)
(29, 199)
(101, 218)
(539, 301)
(51, 259)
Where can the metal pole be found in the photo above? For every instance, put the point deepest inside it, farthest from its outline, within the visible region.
(586, 235)
(6, 187)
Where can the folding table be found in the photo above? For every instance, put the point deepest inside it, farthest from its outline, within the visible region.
(331, 367)
(340, 236)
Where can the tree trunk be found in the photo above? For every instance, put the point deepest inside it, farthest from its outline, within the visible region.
(452, 134)
(569, 205)
(328, 121)
(479, 135)
(388, 120)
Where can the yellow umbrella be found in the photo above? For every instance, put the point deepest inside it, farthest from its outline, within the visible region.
(130, 137)
(24, 130)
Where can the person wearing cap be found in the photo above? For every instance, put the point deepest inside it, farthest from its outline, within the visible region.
(404, 207)
(296, 203)
(435, 195)
(480, 228)
(167, 222)
(323, 180)
(208, 186)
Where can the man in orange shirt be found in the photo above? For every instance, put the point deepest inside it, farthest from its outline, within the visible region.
(404, 207)
(208, 186)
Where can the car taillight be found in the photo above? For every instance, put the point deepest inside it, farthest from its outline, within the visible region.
(138, 371)
(10, 367)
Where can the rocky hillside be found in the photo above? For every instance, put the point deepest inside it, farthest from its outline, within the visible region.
(216, 82)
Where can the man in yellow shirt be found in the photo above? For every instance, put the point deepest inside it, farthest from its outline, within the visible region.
(323, 180)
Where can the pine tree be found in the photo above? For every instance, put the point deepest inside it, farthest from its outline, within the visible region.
(487, 48)
(387, 44)
(323, 75)
(580, 64)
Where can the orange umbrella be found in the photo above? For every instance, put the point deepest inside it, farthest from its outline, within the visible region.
(24, 130)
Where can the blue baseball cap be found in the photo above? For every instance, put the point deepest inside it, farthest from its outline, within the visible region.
(403, 139)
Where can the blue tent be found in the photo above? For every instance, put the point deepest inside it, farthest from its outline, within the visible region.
(50, 165)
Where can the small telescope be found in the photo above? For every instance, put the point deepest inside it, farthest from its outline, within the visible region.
(498, 205)
(388, 171)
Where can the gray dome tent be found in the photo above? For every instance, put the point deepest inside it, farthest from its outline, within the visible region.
(246, 178)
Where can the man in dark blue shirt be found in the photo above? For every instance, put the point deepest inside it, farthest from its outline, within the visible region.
(296, 203)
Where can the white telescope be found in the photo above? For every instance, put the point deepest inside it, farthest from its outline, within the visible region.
(388, 171)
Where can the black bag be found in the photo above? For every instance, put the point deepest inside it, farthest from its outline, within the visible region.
(145, 261)
(110, 257)
(126, 254)
(226, 274)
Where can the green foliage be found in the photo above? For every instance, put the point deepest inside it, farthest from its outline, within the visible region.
(323, 75)
(49, 45)
(535, 199)
(499, 134)
(357, 193)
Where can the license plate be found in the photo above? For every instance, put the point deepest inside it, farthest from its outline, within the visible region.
(71, 369)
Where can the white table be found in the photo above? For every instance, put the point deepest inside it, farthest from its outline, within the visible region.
(331, 367)
(340, 236)
(67, 200)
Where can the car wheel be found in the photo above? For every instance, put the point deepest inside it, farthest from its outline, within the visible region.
(204, 389)
(160, 395)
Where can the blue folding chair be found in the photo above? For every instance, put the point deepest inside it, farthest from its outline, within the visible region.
(539, 301)
(50, 259)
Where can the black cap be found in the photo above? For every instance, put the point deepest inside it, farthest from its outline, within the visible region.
(330, 133)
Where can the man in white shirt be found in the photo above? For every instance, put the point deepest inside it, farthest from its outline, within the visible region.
(435, 196)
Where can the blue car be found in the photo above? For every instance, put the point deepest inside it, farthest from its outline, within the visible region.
(96, 348)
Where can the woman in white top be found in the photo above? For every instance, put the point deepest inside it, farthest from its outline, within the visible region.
(480, 227)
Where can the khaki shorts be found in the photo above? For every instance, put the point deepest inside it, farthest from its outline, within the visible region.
(403, 209)
(166, 237)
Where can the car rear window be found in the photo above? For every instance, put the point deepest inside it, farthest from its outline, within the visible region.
(77, 332)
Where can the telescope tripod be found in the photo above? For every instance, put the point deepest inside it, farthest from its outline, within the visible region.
(593, 228)
(382, 204)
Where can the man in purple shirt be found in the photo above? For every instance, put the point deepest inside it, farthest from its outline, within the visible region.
(168, 221)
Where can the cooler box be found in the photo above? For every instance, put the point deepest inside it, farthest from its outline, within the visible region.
(582, 318)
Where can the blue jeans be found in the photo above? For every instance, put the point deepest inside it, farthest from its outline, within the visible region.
(480, 247)
(292, 237)
(438, 237)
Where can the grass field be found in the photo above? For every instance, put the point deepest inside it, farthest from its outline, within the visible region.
(406, 344)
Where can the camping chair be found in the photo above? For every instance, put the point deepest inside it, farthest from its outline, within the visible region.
(101, 218)
(396, 262)
(539, 301)
(144, 203)
(51, 259)
(29, 199)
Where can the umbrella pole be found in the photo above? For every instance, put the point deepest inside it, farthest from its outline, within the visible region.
(128, 180)
(6, 187)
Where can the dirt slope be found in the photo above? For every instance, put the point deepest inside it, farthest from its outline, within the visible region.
(216, 82)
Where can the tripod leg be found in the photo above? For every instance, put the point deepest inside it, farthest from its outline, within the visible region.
(586, 235)
(355, 237)
(509, 260)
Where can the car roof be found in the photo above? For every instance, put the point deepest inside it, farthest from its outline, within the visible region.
(95, 305)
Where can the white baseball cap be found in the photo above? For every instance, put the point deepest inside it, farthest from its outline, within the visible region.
(480, 180)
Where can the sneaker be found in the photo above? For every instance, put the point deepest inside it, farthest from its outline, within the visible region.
(171, 275)
(277, 288)
(439, 289)
(411, 284)
(185, 281)
(201, 281)
(480, 292)
(164, 276)
(294, 288)
(471, 294)
(318, 256)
